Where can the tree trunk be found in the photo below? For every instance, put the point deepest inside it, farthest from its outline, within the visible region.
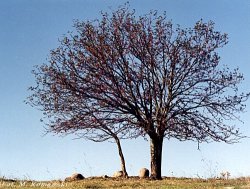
(123, 165)
(156, 157)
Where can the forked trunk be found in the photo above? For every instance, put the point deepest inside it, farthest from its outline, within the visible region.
(123, 165)
(156, 157)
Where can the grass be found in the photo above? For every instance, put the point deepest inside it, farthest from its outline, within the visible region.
(166, 183)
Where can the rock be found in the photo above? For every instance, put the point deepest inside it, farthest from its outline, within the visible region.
(105, 176)
(74, 177)
(67, 179)
(118, 174)
(144, 173)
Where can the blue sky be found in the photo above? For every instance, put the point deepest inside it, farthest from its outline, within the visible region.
(31, 28)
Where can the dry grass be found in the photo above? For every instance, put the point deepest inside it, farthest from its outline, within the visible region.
(166, 183)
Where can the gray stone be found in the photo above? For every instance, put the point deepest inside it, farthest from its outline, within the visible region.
(118, 174)
(74, 177)
(144, 173)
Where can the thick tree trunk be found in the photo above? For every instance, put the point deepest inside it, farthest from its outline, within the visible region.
(156, 157)
(123, 165)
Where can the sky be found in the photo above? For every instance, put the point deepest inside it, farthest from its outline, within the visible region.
(29, 29)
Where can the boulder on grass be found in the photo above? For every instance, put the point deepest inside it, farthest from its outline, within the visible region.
(144, 173)
(74, 177)
(105, 176)
(118, 174)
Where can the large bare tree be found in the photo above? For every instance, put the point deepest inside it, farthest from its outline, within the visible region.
(129, 76)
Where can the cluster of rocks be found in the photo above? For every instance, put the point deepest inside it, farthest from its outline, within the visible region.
(143, 173)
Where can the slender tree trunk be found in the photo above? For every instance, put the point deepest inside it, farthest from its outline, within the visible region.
(156, 157)
(123, 165)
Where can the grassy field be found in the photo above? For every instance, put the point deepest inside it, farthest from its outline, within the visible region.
(167, 183)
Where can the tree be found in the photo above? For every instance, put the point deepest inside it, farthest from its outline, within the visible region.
(69, 113)
(143, 76)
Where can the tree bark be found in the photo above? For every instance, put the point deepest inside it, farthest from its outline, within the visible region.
(123, 165)
(156, 157)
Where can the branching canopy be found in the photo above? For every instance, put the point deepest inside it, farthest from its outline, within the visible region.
(134, 76)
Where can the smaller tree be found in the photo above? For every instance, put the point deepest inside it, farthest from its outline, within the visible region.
(57, 92)
(96, 129)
